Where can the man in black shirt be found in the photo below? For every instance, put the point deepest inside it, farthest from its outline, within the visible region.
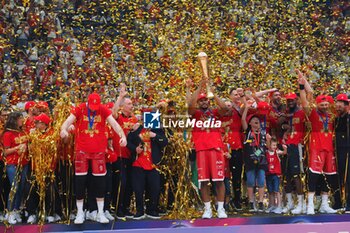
(342, 150)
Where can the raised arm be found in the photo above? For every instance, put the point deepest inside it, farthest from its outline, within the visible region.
(303, 97)
(244, 114)
(118, 102)
(192, 100)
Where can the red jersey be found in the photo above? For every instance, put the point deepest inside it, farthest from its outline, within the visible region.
(206, 138)
(144, 159)
(274, 163)
(29, 124)
(91, 128)
(111, 156)
(12, 139)
(233, 130)
(126, 123)
(297, 126)
(321, 137)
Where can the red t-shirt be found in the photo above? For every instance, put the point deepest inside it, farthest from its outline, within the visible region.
(29, 124)
(297, 122)
(320, 139)
(206, 138)
(126, 123)
(91, 135)
(12, 139)
(274, 163)
(144, 159)
(233, 130)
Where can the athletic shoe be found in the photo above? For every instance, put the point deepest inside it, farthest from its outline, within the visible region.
(128, 214)
(12, 218)
(101, 218)
(139, 216)
(261, 207)
(109, 216)
(277, 210)
(31, 219)
(79, 219)
(91, 215)
(221, 213)
(50, 219)
(153, 215)
(207, 213)
(251, 207)
(120, 215)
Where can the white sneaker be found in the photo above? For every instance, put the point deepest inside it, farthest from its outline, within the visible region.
(277, 210)
(72, 216)
(50, 219)
(12, 218)
(109, 216)
(1, 218)
(57, 218)
(286, 209)
(91, 215)
(207, 213)
(221, 213)
(79, 219)
(326, 209)
(318, 202)
(270, 209)
(101, 218)
(31, 219)
(310, 209)
(18, 216)
(297, 210)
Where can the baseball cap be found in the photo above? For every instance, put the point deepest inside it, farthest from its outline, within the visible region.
(321, 98)
(291, 96)
(342, 97)
(94, 101)
(43, 118)
(263, 108)
(29, 105)
(202, 96)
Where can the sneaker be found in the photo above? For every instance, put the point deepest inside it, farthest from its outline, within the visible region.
(326, 209)
(161, 212)
(237, 205)
(57, 218)
(207, 213)
(31, 219)
(12, 218)
(50, 219)
(101, 218)
(120, 215)
(221, 213)
(91, 215)
(347, 210)
(109, 216)
(128, 214)
(261, 207)
(297, 210)
(277, 210)
(18, 216)
(79, 219)
(270, 209)
(72, 216)
(251, 207)
(153, 215)
(310, 209)
(1, 218)
(139, 215)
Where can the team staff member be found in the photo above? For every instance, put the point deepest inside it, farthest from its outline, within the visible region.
(121, 169)
(342, 137)
(321, 150)
(91, 145)
(209, 149)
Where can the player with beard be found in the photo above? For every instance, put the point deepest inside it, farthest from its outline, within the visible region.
(342, 144)
(294, 137)
(209, 148)
(275, 117)
(321, 150)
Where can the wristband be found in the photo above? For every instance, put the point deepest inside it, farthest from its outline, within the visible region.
(301, 86)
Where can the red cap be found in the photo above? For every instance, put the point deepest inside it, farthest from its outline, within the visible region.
(94, 101)
(109, 105)
(250, 117)
(263, 108)
(29, 105)
(330, 99)
(321, 98)
(202, 96)
(42, 104)
(342, 97)
(291, 96)
(43, 118)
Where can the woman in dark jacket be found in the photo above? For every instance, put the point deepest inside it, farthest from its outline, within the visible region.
(146, 146)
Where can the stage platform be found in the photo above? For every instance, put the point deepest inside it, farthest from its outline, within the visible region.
(337, 223)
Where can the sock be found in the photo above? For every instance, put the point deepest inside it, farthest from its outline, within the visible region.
(220, 204)
(80, 204)
(310, 198)
(100, 204)
(207, 205)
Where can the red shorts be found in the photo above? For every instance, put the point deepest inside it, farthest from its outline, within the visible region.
(98, 163)
(322, 161)
(211, 165)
